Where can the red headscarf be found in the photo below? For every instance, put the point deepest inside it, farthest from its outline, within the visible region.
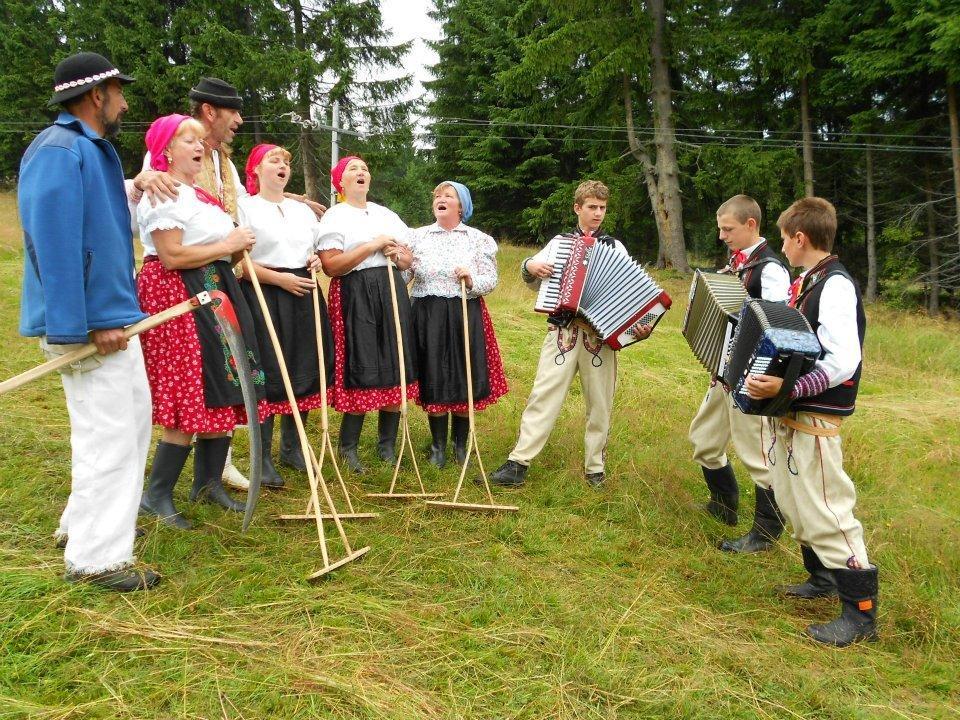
(159, 135)
(256, 157)
(336, 172)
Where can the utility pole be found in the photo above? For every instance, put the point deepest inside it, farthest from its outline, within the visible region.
(334, 146)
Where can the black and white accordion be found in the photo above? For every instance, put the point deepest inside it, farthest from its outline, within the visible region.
(711, 317)
(771, 339)
(607, 288)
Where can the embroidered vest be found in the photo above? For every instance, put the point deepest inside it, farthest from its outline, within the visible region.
(207, 179)
(751, 274)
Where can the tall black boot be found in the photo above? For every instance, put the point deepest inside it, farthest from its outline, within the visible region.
(724, 493)
(438, 431)
(208, 461)
(269, 477)
(350, 428)
(858, 610)
(820, 584)
(291, 454)
(767, 526)
(388, 424)
(460, 430)
(168, 461)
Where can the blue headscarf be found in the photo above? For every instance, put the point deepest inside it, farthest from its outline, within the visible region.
(466, 202)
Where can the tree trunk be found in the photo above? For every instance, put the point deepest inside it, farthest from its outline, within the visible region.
(308, 153)
(933, 302)
(871, 294)
(668, 205)
(807, 134)
(954, 149)
(641, 155)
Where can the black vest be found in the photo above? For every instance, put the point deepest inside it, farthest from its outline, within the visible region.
(751, 274)
(839, 400)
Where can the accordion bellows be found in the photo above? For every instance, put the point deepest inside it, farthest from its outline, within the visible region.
(708, 325)
(771, 339)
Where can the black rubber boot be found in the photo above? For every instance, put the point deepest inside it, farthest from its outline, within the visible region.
(157, 499)
(209, 458)
(460, 431)
(820, 584)
(291, 454)
(388, 424)
(510, 474)
(269, 477)
(724, 493)
(350, 428)
(858, 610)
(438, 431)
(767, 526)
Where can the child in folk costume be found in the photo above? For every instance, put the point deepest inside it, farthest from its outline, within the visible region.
(287, 233)
(719, 421)
(443, 254)
(812, 489)
(567, 351)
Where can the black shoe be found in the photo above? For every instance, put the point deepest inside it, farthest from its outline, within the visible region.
(291, 454)
(60, 541)
(157, 499)
(350, 428)
(460, 431)
(767, 526)
(724, 493)
(438, 431)
(858, 610)
(125, 580)
(209, 458)
(820, 584)
(596, 480)
(388, 425)
(510, 474)
(269, 477)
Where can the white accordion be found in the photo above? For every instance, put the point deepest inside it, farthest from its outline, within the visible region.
(711, 317)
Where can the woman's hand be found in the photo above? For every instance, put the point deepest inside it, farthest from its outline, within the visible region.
(241, 238)
(461, 273)
(295, 284)
(401, 255)
(314, 264)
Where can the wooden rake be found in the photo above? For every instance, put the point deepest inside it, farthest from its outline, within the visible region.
(472, 446)
(315, 479)
(405, 441)
(326, 446)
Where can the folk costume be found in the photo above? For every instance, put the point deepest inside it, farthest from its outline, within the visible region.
(78, 277)
(287, 233)
(192, 374)
(438, 326)
(815, 494)
(718, 421)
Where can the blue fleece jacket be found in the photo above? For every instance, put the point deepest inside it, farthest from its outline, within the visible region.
(78, 270)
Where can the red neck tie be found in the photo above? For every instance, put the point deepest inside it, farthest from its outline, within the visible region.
(738, 260)
(795, 291)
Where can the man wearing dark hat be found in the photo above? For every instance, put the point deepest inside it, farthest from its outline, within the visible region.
(78, 287)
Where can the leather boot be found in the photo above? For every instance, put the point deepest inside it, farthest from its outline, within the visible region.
(724, 493)
(460, 431)
(126, 580)
(820, 584)
(350, 428)
(208, 459)
(291, 454)
(767, 526)
(438, 431)
(858, 610)
(388, 424)
(168, 461)
(269, 477)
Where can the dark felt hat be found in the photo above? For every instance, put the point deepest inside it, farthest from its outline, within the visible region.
(216, 92)
(78, 73)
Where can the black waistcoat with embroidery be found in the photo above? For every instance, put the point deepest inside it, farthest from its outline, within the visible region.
(839, 400)
(751, 274)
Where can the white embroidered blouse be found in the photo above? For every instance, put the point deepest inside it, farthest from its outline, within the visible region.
(343, 227)
(286, 231)
(202, 223)
(436, 252)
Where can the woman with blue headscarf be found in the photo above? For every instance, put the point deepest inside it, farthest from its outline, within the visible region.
(443, 254)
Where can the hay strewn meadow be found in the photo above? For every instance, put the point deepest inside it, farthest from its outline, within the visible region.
(585, 604)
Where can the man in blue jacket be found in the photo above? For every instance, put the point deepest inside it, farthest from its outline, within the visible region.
(78, 287)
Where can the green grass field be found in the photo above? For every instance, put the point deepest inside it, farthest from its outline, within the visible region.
(585, 604)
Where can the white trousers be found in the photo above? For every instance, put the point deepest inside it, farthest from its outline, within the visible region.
(110, 426)
(815, 494)
(565, 353)
(719, 422)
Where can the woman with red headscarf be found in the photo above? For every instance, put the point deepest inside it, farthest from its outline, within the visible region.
(189, 244)
(357, 239)
(287, 232)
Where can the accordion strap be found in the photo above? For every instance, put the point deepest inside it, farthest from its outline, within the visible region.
(779, 404)
(834, 420)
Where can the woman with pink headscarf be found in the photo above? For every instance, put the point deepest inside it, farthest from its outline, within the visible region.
(287, 232)
(189, 245)
(358, 237)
